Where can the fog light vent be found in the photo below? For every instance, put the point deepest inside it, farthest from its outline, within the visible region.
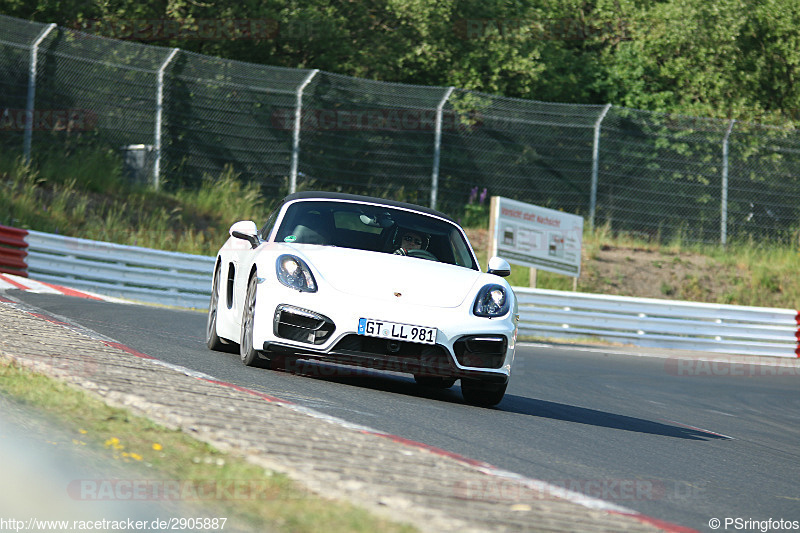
(302, 325)
(481, 351)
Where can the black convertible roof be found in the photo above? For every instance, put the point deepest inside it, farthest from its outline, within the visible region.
(325, 195)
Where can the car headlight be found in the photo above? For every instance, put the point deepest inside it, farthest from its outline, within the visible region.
(492, 301)
(294, 273)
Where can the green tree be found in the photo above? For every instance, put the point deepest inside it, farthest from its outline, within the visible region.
(727, 59)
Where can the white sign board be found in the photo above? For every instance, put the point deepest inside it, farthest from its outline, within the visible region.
(537, 237)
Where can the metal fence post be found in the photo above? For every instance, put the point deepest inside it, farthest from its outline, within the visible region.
(596, 164)
(437, 147)
(298, 115)
(28, 138)
(159, 107)
(723, 219)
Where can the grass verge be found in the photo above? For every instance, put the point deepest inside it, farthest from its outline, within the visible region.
(274, 502)
(192, 221)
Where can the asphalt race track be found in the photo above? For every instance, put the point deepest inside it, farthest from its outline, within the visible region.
(679, 440)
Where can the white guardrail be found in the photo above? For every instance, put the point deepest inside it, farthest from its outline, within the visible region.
(672, 324)
(184, 280)
(131, 272)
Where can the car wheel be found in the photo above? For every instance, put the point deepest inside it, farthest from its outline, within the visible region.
(477, 392)
(212, 339)
(248, 352)
(434, 382)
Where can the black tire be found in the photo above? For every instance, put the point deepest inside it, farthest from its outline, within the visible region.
(250, 356)
(212, 339)
(434, 382)
(483, 394)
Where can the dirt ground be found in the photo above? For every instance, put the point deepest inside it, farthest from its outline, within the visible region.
(645, 273)
(650, 274)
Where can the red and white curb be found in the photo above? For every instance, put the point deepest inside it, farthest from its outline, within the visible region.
(12, 281)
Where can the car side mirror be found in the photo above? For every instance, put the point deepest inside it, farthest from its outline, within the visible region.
(246, 230)
(499, 267)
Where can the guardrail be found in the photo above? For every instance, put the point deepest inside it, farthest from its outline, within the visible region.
(184, 280)
(132, 272)
(660, 323)
(12, 251)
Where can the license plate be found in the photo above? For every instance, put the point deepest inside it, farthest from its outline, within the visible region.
(395, 331)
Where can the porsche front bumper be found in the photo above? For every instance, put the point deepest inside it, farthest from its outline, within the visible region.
(309, 327)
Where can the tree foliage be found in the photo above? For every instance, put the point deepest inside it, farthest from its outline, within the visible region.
(729, 58)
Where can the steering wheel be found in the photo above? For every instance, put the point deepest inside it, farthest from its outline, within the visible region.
(422, 254)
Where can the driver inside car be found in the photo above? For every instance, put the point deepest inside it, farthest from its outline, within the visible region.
(411, 240)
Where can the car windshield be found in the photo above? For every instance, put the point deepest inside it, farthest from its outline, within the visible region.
(375, 228)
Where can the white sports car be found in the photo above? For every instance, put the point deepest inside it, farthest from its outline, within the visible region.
(362, 281)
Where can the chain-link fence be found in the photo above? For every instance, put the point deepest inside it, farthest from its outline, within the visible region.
(173, 118)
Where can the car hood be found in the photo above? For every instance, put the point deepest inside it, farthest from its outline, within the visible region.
(390, 277)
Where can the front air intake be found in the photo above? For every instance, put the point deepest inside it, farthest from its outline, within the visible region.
(302, 325)
(481, 351)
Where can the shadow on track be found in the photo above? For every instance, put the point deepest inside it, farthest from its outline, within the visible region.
(400, 384)
(593, 417)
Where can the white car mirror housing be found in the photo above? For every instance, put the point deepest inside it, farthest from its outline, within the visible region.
(246, 230)
(499, 267)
